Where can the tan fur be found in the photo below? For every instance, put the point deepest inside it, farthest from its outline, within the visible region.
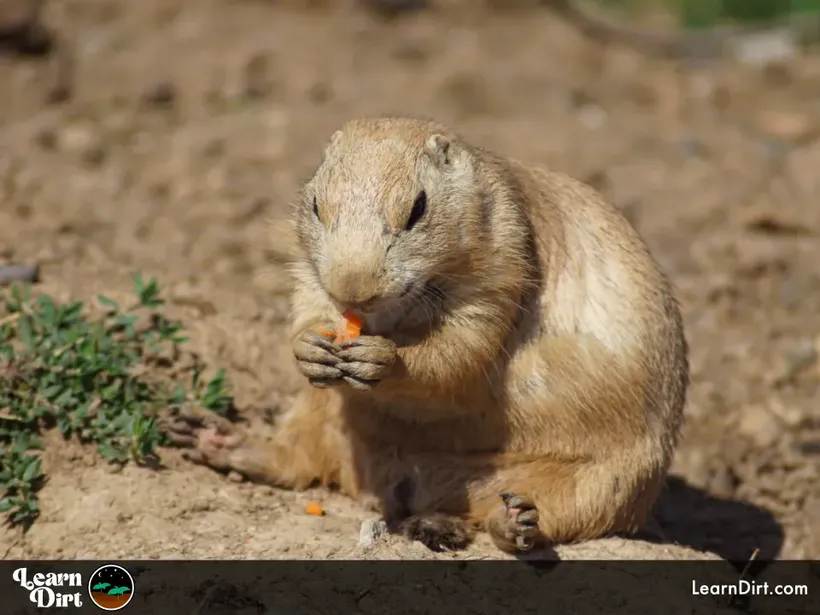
(555, 366)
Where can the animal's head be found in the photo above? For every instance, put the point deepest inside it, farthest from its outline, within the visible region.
(393, 208)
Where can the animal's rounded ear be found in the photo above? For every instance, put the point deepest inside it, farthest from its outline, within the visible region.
(333, 143)
(445, 152)
(440, 149)
(335, 138)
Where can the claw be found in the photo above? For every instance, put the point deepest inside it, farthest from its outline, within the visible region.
(523, 543)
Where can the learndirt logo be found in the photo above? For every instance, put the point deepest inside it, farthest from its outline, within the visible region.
(110, 588)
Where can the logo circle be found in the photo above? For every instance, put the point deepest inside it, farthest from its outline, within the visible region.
(111, 587)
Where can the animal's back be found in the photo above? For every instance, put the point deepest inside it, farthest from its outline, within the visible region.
(599, 279)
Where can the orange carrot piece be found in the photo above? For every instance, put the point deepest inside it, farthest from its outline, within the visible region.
(349, 328)
(315, 509)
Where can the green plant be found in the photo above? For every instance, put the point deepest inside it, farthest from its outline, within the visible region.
(91, 380)
(697, 14)
(707, 13)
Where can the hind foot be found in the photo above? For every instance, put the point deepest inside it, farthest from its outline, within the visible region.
(213, 441)
(514, 525)
(438, 532)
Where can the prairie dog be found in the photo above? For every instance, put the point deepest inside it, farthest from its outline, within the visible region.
(523, 366)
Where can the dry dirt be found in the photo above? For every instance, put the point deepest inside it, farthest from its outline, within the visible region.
(191, 123)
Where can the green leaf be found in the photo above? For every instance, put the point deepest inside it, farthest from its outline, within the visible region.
(124, 320)
(139, 285)
(24, 331)
(52, 391)
(109, 451)
(108, 302)
(179, 394)
(33, 470)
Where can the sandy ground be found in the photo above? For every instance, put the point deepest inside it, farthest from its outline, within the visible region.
(191, 123)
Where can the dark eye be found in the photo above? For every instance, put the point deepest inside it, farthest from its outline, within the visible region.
(315, 207)
(419, 207)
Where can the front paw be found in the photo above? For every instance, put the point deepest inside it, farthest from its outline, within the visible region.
(366, 361)
(316, 359)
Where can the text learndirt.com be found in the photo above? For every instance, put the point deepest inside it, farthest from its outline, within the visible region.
(748, 588)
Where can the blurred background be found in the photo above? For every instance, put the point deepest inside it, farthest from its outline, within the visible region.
(161, 135)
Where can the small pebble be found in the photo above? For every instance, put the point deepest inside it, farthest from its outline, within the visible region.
(786, 125)
(19, 273)
(765, 47)
(371, 531)
(162, 94)
(83, 139)
(760, 425)
(592, 116)
(802, 354)
(258, 76)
